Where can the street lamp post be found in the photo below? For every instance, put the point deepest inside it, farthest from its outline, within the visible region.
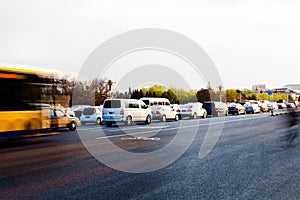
(220, 90)
(240, 94)
(287, 91)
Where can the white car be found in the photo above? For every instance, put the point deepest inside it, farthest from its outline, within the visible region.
(192, 110)
(126, 111)
(272, 106)
(175, 107)
(164, 113)
(252, 108)
(92, 114)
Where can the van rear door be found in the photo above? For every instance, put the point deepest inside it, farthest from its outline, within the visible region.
(112, 110)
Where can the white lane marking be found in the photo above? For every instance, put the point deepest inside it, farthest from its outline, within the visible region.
(179, 127)
(133, 128)
(141, 138)
(88, 128)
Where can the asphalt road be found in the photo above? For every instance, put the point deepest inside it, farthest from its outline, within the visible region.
(248, 161)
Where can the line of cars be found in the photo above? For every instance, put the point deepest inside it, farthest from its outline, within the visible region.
(146, 109)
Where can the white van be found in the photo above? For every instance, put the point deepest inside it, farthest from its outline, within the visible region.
(153, 101)
(125, 110)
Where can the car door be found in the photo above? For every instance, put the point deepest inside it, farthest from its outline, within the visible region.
(144, 111)
(168, 112)
(134, 110)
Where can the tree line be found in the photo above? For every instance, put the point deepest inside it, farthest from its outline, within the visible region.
(204, 94)
(94, 92)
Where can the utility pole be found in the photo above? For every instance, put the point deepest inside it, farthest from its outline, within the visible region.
(220, 90)
(240, 93)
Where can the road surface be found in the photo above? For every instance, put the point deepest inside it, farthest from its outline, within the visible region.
(247, 162)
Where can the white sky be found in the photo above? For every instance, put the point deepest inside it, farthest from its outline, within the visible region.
(250, 41)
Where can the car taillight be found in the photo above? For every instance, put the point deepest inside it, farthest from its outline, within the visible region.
(189, 110)
(177, 110)
(157, 112)
(235, 109)
(94, 111)
(121, 112)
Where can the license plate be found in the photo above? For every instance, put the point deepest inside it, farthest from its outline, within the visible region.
(111, 113)
(183, 110)
(87, 116)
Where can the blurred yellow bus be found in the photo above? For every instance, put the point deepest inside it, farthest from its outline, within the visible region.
(22, 111)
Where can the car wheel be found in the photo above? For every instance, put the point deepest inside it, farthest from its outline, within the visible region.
(163, 118)
(108, 123)
(98, 121)
(128, 121)
(72, 126)
(148, 119)
(179, 117)
(204, 115)
(176, 117)
(194, 116)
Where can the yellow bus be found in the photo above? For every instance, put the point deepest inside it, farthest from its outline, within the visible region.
(22, 111)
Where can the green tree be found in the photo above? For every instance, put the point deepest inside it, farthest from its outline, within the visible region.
(232, 95)
(158, 89)
(169, 94)
(203, 95)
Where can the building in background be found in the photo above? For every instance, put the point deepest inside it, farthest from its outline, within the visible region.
(259, 87)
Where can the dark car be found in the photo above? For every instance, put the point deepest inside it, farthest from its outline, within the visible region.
(215, 108)
(236, 108)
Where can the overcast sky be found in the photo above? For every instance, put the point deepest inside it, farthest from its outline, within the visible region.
(250, 42)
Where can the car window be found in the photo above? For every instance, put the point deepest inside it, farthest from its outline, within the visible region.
(112, 104)
(208, 105)
(89, 111)
(147, 102)
(59, 113)
(144, 106)
(133, 105)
